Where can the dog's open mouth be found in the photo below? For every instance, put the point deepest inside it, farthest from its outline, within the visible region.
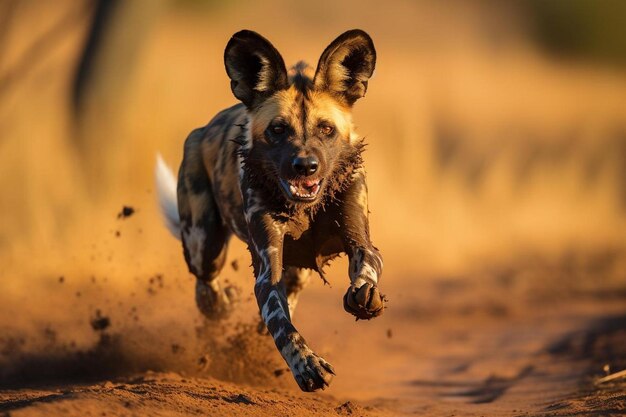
(301, 189)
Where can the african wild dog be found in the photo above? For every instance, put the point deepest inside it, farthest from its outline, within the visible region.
(283, 172)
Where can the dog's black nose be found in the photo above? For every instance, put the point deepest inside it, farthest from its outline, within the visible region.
(305, 166)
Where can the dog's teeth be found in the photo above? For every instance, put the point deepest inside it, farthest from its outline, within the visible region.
(307, 190)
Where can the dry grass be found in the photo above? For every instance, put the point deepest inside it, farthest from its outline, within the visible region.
(480, 146)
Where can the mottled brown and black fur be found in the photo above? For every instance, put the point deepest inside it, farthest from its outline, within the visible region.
(283, 171)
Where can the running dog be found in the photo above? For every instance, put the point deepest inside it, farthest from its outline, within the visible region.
(283, 172)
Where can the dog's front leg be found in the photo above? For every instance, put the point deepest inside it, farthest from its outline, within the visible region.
(363, 298)
(266, 233)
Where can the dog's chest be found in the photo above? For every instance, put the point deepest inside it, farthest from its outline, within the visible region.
(311, 242)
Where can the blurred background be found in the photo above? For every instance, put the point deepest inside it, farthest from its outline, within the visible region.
(496, 131)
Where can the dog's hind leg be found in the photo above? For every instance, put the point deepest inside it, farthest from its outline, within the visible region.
(295, 279)
(204, 236)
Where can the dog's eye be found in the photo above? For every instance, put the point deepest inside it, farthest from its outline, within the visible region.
(278, 129)
(327, 130)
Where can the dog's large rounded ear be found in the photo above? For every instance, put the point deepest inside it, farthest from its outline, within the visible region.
(255, 68)
(346, 66)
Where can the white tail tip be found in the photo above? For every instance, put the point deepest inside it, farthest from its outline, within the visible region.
(166, 192)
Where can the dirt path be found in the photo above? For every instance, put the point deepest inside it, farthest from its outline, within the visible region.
(170, 394)
(484, 377)
(512, 343)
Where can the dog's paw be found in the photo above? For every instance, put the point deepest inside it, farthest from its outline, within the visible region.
(365, 302)
(313, 373)
(214, 302)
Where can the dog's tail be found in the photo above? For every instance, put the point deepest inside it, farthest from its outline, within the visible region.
(166, 192)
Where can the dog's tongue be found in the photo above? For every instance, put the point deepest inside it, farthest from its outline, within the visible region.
(310, 183)
(312, 186)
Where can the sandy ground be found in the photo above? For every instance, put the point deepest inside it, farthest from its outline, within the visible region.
(500, 342)
(170, 394)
